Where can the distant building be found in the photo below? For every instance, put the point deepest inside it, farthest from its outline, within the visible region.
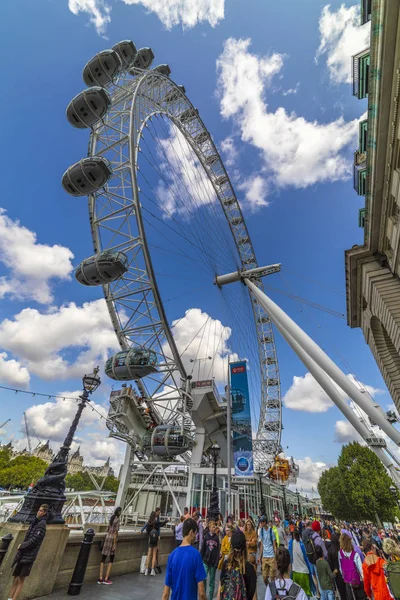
(75, 461)
(373, 268)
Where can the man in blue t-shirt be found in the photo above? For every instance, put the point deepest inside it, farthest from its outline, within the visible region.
(268, 540)
(185, 570)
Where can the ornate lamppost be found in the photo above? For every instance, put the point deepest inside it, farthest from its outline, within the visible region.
(50, 489)
(298, 502)
(285, 507)
(213, 510)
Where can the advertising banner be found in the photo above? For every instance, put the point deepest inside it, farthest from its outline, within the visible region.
(242, 444)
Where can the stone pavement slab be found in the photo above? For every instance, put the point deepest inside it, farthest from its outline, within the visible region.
(131, 587)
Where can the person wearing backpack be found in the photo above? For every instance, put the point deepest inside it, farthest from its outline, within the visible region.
(351, 569)
(326, 577)
(283, 587)
(238, 579)
(392, 567)
(153, 534)
(374, 576)
(333, 560)
(302, 570)
(269, 543)
(311, 538)
(210, 556)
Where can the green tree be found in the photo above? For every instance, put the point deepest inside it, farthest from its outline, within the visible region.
(81, 482)
(359, 487)
(21, 471)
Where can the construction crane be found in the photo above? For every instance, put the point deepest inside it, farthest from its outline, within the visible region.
(5, 423)
(27, 434)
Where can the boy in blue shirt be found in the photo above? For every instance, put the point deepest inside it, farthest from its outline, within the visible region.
(185, 570)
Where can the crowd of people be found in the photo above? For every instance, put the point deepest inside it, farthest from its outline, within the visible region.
(297, 558)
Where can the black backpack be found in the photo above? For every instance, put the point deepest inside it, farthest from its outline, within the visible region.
(153, 537)
(310, 550)
(286, 595)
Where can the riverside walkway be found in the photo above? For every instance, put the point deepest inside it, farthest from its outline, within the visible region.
(131, 587)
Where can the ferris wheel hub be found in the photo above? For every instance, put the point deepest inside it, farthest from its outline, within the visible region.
(238, 275)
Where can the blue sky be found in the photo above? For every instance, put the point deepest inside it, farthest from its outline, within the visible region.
(287, 124)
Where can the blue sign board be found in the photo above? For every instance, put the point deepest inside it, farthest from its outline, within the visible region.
(242, 443)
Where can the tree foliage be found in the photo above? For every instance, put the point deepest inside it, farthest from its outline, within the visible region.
(81, 482)
(359, 487)
(21, 471)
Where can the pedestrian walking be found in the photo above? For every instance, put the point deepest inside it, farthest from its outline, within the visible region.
(27, 551)
(210, 553)
(268, 542)
(391, 549)
(351, 569)
(185, 572)
(311, 538)
(109, 547)
(225, 545)
(326, 577)
(374, 575)
(302, 570)
(282, 586)
(200, 533)
(238, 579)
(281, 533)
(251, 542)
(153, 537)
(333, 560)
(179, 532)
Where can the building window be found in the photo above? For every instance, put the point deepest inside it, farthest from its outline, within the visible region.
(388, 248)
(360, 173)
(365, 11)
(393, 209)
(363, 136)
(361, 74)
(361, 217)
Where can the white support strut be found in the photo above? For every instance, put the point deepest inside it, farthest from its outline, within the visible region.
(318, 355)
(331, 390)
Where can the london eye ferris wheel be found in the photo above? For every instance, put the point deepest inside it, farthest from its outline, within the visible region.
(165, 221)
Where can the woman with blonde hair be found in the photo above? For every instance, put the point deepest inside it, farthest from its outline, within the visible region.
(351, 569)
(391, 549)
(238, 578)
(251, 542)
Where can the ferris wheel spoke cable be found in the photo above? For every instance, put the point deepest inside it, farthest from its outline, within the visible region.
(181, 185)
(160, 205)
(200, 220)
(207, 193)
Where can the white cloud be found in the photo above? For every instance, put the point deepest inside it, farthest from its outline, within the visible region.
(292, 91)
(32, 265)
(341, 37)
(43, 341)
(306, 394)
(52, 420)
(229, 150)
(197, 335)
(187, 12)
(98, 11)
(309, 474)
(345, 433)
(12, 372)
(294, 151)
(256, 190)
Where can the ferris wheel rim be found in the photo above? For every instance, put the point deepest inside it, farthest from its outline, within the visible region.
(134, 149)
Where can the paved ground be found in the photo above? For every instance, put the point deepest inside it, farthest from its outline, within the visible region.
(130, 587)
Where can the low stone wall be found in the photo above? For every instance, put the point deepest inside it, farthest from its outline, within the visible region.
(130, 549)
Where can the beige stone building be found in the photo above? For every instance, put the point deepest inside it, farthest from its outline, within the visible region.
(373, 269)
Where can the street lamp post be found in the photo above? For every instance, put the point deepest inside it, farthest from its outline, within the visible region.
(298, 502)
(50, 489)
(213, 510)
(262, 504)
(285, 507)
